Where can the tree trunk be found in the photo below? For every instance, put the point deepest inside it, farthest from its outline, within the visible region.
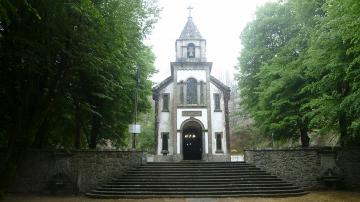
(41, 136)
(305, 140)
(343, 128)
(94, 131)
(77, 125)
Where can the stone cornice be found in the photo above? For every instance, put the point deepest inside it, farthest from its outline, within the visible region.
(160, 86)
(224, 88)
(192, 106)
(190, 66)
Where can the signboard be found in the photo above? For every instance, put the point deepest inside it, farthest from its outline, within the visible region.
(134, 128)
(191, 113)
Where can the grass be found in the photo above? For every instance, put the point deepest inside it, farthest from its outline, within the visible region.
(317, 196)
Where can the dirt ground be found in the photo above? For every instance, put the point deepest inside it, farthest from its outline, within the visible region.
(343, 196)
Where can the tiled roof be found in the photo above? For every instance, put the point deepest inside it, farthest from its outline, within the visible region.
(190, 31)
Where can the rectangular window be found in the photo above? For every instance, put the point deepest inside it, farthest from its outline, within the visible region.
(165, 143)
(165, 97)
(218, 137)
(217, 101)
(191, 91)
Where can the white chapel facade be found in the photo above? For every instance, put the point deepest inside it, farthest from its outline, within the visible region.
(191, 106)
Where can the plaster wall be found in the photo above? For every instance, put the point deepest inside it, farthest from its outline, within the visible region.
(202, 118)
(165, 118)
(200, 49)
(199, 75)
(217, 119)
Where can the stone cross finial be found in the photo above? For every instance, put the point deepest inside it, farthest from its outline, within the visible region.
(190, 8)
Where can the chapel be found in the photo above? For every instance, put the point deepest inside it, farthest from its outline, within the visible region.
(191, 106)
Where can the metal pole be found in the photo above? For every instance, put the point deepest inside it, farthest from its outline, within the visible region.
(135, 105)
(134, 138)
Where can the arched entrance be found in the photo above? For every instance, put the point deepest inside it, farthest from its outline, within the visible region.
(192, 141)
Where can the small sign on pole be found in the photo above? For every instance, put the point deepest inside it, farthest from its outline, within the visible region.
(135, 128)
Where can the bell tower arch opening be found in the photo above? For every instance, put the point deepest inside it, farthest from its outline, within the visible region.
(192, 140)
(191, 50)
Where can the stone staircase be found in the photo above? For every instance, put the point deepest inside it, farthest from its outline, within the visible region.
(196, 179)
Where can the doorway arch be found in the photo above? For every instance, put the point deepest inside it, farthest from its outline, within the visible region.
(192, 139)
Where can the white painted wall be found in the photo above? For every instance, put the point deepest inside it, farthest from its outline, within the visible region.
(202, 118)
(217, 122)
(199, 75)
(200, 49)
(165, 118)
(217, 118)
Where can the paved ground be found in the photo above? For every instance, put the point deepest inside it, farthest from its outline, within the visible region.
(339, 196)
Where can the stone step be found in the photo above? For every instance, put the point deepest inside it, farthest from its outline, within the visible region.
(198, 163)
(198, 188)
(220, 169)
(185, 172)
(198, 182)
(195, 179)
(175, 176)
(211, 180)
(281, 184)
(195, 192)
(136, 196)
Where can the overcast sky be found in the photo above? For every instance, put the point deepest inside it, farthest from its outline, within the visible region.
(220, 22)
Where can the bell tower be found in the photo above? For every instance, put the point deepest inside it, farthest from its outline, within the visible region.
(190, 47)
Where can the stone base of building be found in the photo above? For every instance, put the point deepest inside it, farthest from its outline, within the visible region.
(205, 158)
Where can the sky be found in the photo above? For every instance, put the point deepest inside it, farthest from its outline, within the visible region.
(220, 22)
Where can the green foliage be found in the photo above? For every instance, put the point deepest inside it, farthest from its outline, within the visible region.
(146, 139)
(68, 72)
(298, 69)
(71, 66)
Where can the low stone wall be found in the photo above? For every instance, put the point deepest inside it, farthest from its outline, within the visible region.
(348, 160)
(84, 169)
(306, 167)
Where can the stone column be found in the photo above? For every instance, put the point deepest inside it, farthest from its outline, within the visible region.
(227, 128)
(208, 103)
(173, 112)
(181, 92)
(156, 96)
(201, 92)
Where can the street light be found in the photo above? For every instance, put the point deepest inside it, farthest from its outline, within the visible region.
(135, 128)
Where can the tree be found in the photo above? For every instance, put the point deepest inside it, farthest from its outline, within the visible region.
(298, 69)
(332, 60)
(64, 62)
(281, 30)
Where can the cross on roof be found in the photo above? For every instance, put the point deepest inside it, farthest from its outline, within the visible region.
(190, 8)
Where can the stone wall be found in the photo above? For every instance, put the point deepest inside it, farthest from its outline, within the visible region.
(300, 167)
(306, 167)
(348, 161)
(85, 169)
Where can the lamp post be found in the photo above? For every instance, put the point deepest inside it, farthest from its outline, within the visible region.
(135, 128)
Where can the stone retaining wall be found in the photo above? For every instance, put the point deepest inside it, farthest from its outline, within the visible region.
(306, 167)
(85, 169)
(348, 161)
